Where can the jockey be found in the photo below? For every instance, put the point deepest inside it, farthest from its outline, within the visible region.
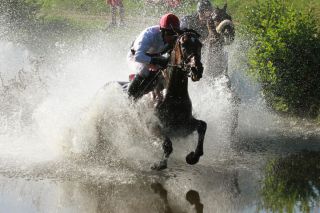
(203, 21)
(146, 50)
(198, 21)
(209, 21)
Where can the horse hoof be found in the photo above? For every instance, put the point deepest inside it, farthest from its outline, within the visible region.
(158, 167)
(192, 159)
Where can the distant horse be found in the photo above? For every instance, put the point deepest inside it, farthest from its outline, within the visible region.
(175, 110)
(221, 33)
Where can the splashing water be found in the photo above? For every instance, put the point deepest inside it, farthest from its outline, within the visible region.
(60, 121)
(57, 106)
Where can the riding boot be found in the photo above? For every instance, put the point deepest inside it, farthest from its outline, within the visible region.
(142, 85)
(134, 89)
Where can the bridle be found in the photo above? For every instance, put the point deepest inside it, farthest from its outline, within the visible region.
(185, 60)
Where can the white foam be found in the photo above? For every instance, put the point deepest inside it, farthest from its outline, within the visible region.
(60, 110)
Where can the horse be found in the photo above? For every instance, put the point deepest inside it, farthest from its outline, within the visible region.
(175, 110)
(221, 34)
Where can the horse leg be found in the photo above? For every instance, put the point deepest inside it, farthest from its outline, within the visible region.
(193, 157)
(167, 148)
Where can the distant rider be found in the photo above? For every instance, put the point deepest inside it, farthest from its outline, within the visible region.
(199, 21)
(211, 22)
(145, 54)
(204, 21)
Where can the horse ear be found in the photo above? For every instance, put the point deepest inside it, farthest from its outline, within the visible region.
(225, 7)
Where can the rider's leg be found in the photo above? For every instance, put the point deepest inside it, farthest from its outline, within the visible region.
(141, 85)
(134, 89)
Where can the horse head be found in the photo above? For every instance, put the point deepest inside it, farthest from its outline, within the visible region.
(218, 15)
(187, 54)
(223, 24)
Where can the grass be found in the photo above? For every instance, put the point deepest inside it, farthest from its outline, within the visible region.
(74, 19)
(96, 14)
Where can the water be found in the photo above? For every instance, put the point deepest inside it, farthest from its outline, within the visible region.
(68, 143)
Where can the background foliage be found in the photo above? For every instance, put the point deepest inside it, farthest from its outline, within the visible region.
(285, 56)
(290, 182)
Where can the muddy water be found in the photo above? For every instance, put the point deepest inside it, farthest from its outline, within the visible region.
(70, 144)
(253, 181)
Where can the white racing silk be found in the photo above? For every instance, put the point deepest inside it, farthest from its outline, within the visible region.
(149, 41)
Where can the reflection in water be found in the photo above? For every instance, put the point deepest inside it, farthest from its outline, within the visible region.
(95, 189)
(192, 197)
(125, 194)
(135, 197)
(158, 188)
(292, 182)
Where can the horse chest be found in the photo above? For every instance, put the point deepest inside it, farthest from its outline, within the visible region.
(174, 111)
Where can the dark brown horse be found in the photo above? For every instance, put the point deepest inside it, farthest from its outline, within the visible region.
(175, 110)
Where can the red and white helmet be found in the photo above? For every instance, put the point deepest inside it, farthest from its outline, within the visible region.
(170, 22)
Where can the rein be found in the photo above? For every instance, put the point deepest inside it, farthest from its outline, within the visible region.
(182, 65)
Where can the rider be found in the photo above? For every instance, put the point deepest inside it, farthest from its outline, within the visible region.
(204, 21)
(146, 53)
(199, 21)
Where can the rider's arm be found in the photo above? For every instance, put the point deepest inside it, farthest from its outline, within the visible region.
(141, 46)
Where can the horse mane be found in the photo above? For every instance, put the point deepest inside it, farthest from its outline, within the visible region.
(190, 32)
